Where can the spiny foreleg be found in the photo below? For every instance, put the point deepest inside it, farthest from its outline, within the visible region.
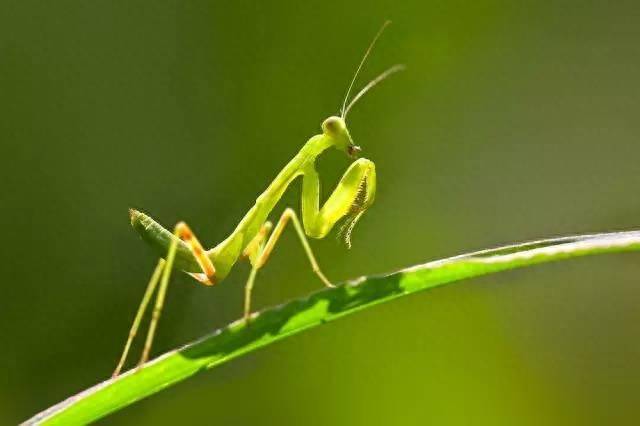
(353, 195)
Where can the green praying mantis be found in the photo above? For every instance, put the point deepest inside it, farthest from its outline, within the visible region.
(255, 237)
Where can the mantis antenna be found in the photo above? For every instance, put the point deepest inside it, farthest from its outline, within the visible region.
(364, 58)
(394, 69)
(345, 109)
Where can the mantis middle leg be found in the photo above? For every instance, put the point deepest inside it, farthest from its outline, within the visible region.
(258, 252)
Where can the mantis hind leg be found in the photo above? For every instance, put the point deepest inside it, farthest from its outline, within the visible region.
(161, 275)
(258, 252)
(151, 287)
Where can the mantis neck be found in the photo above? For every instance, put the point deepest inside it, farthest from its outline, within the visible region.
(296, 167)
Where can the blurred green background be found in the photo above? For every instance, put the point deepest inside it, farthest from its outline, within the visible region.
(514, 120)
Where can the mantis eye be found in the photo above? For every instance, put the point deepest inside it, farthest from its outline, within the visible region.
(331, 125)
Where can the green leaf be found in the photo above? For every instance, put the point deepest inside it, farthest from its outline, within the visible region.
(291, 318)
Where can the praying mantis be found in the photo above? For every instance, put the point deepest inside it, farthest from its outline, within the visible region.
(255, 237)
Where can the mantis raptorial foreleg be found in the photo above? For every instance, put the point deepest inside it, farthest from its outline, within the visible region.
(353, 195)
(260, 252)
(161, 274)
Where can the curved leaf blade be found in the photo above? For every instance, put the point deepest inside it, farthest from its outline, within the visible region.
(296, 316)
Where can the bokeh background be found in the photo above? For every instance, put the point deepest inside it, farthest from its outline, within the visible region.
(514, 120)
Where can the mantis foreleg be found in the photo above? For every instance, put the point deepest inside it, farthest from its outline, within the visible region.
(352, 196)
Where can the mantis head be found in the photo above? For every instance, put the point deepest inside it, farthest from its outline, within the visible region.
(336, 129)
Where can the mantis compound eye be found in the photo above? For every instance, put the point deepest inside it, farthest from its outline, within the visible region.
(332, 125)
